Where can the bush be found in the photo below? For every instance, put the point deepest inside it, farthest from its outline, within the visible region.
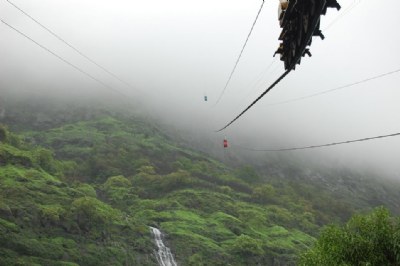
(90, 213)
(371, 239)
(246, 246)
(3, 134)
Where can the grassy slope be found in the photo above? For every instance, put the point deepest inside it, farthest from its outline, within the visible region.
(125, 174)
(46, 221)
(135, 177)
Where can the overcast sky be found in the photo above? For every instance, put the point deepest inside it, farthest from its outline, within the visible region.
(175, 52)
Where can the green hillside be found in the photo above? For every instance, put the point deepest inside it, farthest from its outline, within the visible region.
(84, 189)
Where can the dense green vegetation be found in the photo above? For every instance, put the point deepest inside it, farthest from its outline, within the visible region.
(84, 189)
(372, 239)
(45, 221)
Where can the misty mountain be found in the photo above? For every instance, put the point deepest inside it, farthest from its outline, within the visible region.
(87, 180)
(115, 137)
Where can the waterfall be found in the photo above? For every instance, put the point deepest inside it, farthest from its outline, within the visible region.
(164, 255)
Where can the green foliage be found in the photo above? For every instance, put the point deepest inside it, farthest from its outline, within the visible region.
(264, 194)
(44, 158)
(91, 213)
(117, 181)
(207, 211)
(87, 194)
(365, 240)
(14, 156)
(85, 189)
(6, 225)
(119, 191)
(248, 174)
(44, 221)
(246, 246)
(3, 134)
(51, 214)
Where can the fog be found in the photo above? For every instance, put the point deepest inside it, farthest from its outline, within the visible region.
(173, 53)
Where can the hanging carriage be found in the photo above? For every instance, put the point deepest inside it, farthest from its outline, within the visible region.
(225, 143)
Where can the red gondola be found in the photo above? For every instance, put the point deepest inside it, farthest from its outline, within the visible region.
(225, 143)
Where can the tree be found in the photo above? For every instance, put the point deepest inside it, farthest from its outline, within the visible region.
(119, 191)
(45, 159)
(372, 239)
(90, 213)
(246, 246)
(264, 194)
(248, 174)
(3, 133)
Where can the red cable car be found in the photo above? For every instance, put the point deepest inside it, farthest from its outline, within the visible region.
(225, 143)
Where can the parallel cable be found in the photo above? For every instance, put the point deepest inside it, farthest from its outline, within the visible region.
(318, 146)
(240, 55)
(71, 46)
(258, 98)
(290, 68)
(344, 13)
(62, 59)
(260, 76)
(335, 89)
(256, 84)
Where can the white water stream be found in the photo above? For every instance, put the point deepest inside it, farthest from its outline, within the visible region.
(164, 255)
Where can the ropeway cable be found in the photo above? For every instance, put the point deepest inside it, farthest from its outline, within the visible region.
(64, 60)
(317, 146)
(335, 89)
(72, 47)
(289, 69)
(254, 84)
(258, 98)
(344, 13)
(240, 55)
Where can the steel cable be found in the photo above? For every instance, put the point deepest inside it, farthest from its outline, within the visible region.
(318, 146)
(240, 55)
(335, 89)
(290, 68)
(64, 60)
(73, 47)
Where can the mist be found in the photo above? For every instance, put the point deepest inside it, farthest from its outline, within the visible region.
(174, 53)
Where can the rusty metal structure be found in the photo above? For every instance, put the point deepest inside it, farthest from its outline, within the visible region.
(300, 21)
